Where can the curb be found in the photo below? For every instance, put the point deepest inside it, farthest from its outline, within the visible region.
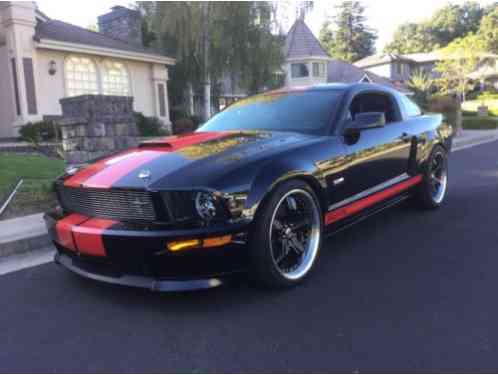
(23, 235)
(464, 143)
(24, 245)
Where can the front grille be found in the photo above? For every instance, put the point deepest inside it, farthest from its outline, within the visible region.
(123, 205)
(180, 204)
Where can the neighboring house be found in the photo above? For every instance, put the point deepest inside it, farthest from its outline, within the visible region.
(44, 60)
(400, 68)
(307, 63)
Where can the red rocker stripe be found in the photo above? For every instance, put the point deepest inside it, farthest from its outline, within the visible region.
(355, 207)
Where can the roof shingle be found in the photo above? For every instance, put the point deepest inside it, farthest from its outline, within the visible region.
(65, 32)
(300, 42)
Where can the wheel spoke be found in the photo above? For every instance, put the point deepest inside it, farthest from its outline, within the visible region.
(295, 233)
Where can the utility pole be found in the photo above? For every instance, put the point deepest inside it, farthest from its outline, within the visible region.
(205, 47)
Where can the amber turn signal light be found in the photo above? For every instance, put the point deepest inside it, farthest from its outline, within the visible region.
(183, 245)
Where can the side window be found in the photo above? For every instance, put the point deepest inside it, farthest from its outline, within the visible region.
(412, 110)
(375, 102)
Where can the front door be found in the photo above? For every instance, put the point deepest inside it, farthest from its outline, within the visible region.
(379, 157)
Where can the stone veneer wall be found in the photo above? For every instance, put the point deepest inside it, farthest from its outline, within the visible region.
(93, 126)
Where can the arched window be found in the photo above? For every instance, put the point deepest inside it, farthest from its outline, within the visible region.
(115, 79)
(81, 76)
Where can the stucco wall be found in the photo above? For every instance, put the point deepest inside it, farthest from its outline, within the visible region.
(50, 89)
(142, 88)
(6, 96)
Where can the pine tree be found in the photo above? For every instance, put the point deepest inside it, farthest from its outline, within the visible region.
(352, 38)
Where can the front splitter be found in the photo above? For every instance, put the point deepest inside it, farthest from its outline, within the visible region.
(150, 283)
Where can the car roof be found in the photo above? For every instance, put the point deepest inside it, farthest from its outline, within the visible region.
(349, 87)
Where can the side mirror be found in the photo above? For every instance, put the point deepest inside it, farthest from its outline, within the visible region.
(367, 120)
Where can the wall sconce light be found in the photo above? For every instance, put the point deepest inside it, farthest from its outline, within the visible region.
(52, 68)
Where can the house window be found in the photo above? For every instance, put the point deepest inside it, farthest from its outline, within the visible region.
(318, 69)
(81, 76)
(115, 80)
(299, 70)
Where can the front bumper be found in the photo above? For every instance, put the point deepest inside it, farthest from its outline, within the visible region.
(137, 256)
(136, 280)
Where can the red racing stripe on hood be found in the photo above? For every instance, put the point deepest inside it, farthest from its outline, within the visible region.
(119, 166)
(88, 236)
(81, 176)
(104, 173)
(64, 227)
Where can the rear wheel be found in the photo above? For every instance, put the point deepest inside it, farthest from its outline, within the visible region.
(287, 236)
(432, 190)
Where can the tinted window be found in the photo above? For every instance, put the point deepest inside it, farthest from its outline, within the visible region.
(411, 108)
(305, 111)
(374, 102)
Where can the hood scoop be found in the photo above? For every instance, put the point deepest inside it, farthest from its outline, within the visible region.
(176, 142)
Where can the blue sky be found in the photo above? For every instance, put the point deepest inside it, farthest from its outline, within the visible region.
(383, 15)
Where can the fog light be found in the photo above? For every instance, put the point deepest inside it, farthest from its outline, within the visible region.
(217, 241)
(183, 245)
(176, 246)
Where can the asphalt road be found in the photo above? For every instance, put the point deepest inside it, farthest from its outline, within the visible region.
(407, 290)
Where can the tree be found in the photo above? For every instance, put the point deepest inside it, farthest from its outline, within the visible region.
(460, 58)
(351, 40)
(213, 39)
(326, 37)
(488, 31)
(412, 38)
(455, 21)
(421, 84)
(447, 24)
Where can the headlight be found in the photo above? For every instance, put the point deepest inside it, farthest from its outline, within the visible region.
(205, 204)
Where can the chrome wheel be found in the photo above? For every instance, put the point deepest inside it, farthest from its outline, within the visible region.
(295, 234)
(438, 176)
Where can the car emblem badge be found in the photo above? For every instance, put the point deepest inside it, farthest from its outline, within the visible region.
(145, 175)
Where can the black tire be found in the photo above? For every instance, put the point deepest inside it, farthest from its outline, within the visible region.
(431, 193)
(270, 235)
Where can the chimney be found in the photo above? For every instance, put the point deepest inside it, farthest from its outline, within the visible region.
(122, 23)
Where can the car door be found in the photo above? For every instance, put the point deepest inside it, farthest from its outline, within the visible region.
(379, 156)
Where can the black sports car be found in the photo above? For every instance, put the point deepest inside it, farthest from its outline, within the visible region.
(254, 190)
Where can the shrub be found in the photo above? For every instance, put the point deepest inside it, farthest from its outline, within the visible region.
(480, 123)
(40, 131)
(183, 125)
(149, 126)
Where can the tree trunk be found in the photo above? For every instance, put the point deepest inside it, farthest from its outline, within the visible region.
(190, 99)
(207, 79)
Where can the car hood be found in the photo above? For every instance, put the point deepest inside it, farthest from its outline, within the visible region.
(196, 160)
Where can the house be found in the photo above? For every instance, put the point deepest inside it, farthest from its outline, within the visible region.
(400, 68)
(307, 63)
(45, 60)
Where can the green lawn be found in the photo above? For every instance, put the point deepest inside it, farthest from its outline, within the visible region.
(38, 172)
(472, 105)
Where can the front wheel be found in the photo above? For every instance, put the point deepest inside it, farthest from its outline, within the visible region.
(432, 191)
(287, 236)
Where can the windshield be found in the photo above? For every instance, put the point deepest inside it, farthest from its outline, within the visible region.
(302, 111)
